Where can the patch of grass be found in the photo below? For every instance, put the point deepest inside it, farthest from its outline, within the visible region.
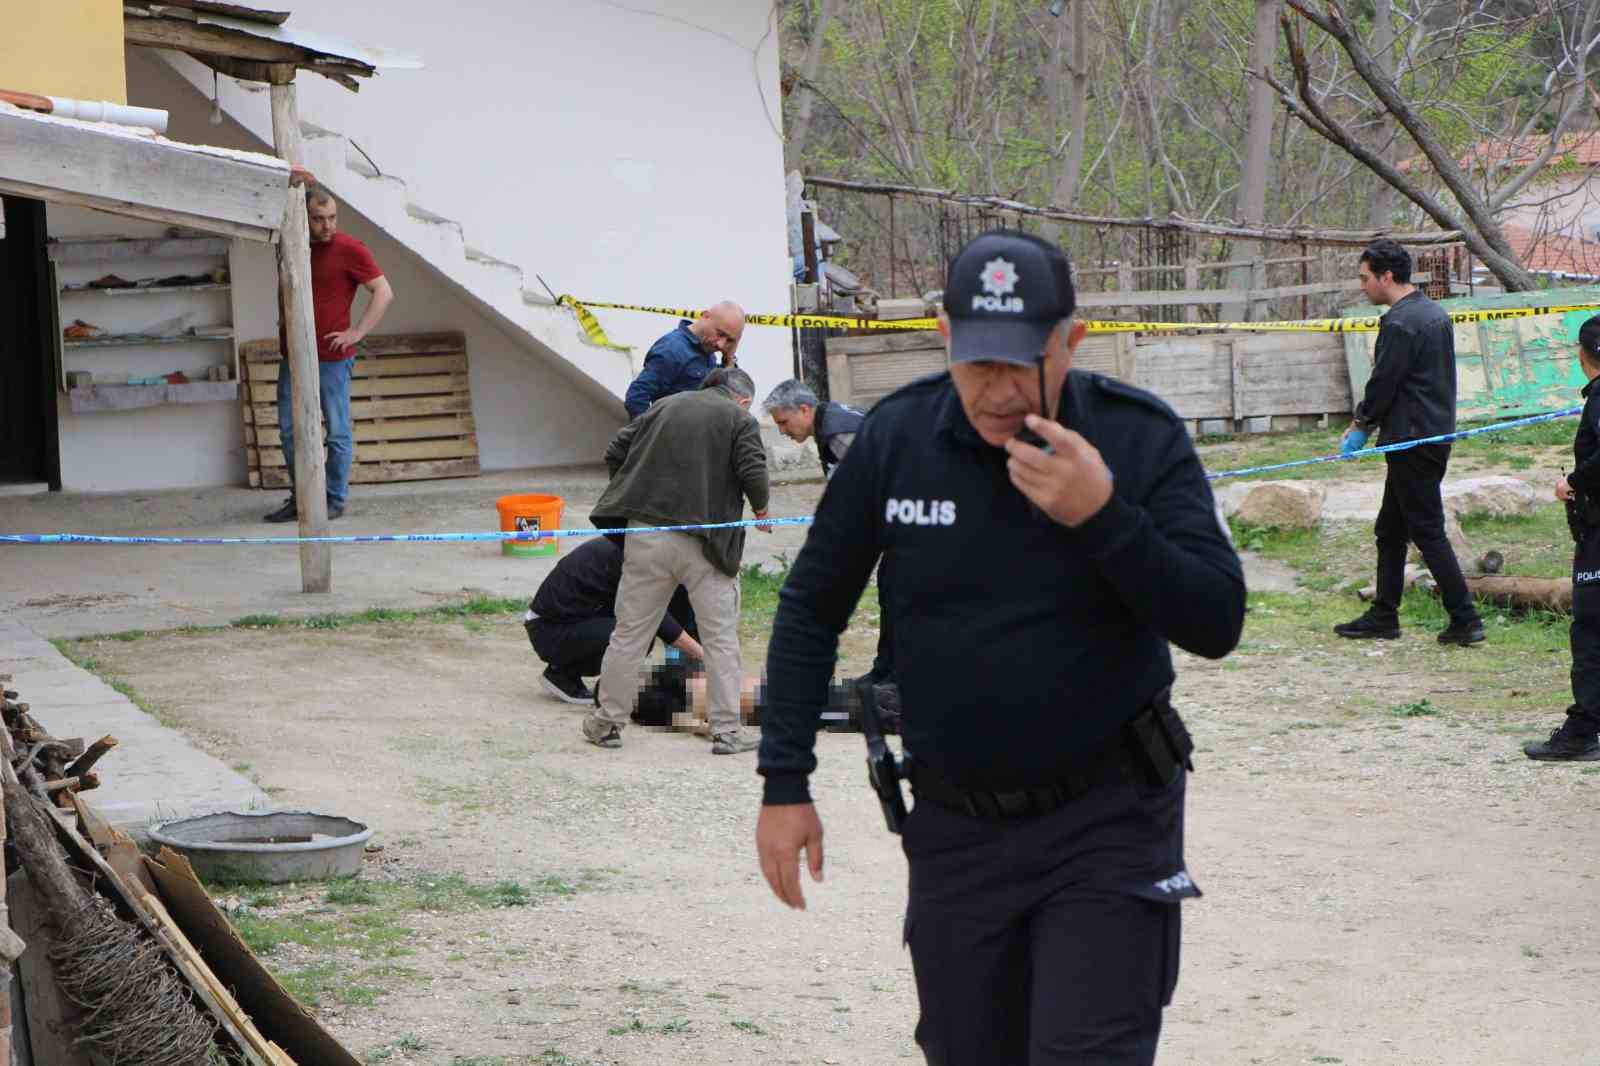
(259, 621)
(370, 921)
(475, 607)
(1530, 952)
(154, 710)
(1324, 558)
(635, 1025)
(749, 1027)
(478, 1060)
(1515, 448)
(350, 890)
(1537, 545)
(1422, 708)
(555, 1057)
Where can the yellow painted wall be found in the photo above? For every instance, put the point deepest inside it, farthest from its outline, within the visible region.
(65, 48)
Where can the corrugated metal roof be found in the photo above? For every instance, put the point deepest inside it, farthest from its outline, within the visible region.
(311, 41)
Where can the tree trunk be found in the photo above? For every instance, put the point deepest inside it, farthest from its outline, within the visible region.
(1524, 593)
(808, 73)
(1381, 211)
(1251, 205)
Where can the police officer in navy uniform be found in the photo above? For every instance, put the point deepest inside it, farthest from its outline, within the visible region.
(1576, 740)
(1050, 532)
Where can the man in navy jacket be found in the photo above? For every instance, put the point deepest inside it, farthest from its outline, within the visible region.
(679, 361)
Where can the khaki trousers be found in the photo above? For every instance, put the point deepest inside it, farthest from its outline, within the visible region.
(653, 566)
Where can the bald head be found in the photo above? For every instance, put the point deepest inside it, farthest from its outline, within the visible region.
(720, 326)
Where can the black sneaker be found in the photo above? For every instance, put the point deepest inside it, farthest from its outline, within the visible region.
(335, 510)
(286, 513)
(564, 688)
(1564, 746)
(1370, 626)
(1463, 633)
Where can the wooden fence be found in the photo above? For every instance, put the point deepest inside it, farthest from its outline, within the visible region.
(1220, 384)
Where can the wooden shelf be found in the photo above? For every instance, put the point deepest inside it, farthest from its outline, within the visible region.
(140, 340)
(91, 399)
(121, 250)
(210, 286)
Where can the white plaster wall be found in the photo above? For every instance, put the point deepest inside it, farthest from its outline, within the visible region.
(171, 446)
(626, 152)
(1568, 205)
(529, 409)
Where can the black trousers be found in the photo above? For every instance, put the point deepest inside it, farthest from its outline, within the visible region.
(1052, 940)
(576, 648)
(1584, 717)
(1413, 511)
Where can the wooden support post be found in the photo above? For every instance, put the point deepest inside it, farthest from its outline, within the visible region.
(1191, 282)
(808, 241)
(299, 327)
(1258, 281)
(1125, 271)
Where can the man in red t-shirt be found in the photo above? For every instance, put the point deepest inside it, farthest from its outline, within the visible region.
(340, 265)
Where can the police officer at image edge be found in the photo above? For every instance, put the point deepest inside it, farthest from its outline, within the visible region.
(1034, 592)
(1577, 738)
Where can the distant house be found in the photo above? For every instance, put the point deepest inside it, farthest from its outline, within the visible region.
(1554, 222)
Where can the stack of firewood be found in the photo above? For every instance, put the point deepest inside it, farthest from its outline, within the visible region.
(47, 766)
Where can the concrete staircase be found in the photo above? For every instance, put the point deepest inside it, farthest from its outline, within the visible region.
(499, 288)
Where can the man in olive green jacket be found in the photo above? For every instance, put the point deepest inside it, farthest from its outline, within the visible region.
(690, 459)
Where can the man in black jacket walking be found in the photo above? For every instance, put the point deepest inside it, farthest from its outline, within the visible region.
(1411, 395)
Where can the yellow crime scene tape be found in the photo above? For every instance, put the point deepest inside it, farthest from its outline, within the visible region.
(1364, 324)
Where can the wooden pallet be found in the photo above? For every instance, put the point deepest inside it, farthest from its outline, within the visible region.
(410, 409)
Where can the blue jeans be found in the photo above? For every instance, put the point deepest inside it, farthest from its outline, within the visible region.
(334, 386)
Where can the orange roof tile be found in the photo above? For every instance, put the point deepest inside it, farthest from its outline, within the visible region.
(1554, 252)
(1581, 148)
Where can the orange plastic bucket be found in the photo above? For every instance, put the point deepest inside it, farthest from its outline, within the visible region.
(532, 513)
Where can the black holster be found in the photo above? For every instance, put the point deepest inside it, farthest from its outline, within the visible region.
(884, 767)
(1159, 741)
(1583, 514)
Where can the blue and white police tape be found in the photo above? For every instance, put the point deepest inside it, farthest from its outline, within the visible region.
(393, 538)
(803, 520)
(1399, 446)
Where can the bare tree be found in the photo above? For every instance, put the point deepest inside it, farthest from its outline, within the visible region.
(1381, 210)
(1252, 201)
(1473, 210)
(808, 76)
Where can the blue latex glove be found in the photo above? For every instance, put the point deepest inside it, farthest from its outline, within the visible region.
(1354, 441)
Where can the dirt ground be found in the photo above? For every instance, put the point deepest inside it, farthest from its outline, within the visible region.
(1386, 878)
(1385, 881)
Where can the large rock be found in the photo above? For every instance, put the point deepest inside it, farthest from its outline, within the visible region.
(1284, 504)
(1500, 496)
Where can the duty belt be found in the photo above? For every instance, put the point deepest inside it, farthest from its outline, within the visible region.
(1154, 744)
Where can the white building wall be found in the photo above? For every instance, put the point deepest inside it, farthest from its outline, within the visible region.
(1568, 204)
(629, 153)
